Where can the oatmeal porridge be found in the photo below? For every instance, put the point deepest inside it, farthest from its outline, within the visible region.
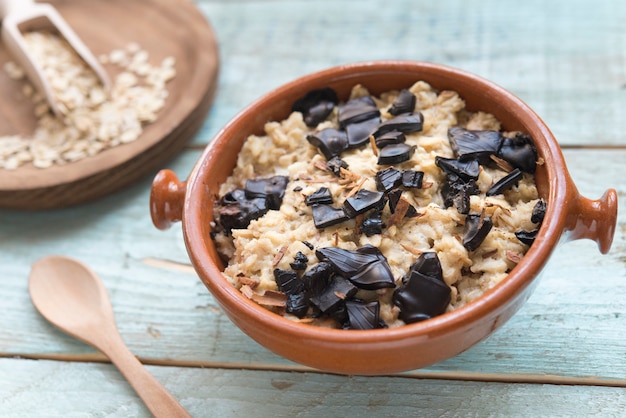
(378, 211)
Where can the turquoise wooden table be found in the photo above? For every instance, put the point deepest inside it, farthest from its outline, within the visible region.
(563, 354)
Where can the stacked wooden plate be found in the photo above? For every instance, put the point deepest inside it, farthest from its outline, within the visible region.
(163, 28)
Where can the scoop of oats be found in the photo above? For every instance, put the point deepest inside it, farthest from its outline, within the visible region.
(94, 120)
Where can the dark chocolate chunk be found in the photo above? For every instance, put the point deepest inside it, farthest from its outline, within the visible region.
(318, 113)
(270, 188)
(359, 133)
(299, 261)
(395, 154)
(362, 201)
(404, 103)
(406, 122)
(366, 267)
(475, 230)
(474, 145)
(363, 315)
(236, 210)
(427, 264)
(381, 204)
(335, 164)
(539, 211)
(340, 314)
(348, 262)
(321, 195)
(389, 138)
(466, 170)
(456, 192)
(316, 105)
(388, 179)
(325, 216)
(297, 304)
(297, 189)
(505, 183)
(394, 198)
(527, 237)
(357, 110)
(331, 142)
(520, 152)
(288, 281)
(309, 245)
(423, 294)
(233, 198)
(372, 225)
(334, 294)
(317, 277)
(374, 276)
(412, 179)
(371, 250)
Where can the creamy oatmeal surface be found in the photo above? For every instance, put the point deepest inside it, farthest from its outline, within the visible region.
(273, 240)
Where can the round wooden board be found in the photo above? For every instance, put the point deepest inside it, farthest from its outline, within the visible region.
(163, 28)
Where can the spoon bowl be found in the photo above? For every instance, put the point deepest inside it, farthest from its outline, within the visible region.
(71, 296)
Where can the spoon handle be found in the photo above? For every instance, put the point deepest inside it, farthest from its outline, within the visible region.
(158, 400)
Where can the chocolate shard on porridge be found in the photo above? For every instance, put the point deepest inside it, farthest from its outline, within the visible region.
(378, 211)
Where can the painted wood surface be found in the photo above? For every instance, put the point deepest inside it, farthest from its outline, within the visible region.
(563, 354)
(564, 58)
(219, 393)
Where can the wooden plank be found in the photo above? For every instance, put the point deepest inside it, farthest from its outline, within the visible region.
(564, 58)
(86, 389)
(570, 327)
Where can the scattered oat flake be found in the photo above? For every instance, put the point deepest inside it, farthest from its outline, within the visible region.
(118, 56)
(133, 47)
(14, 71)
(168, 62)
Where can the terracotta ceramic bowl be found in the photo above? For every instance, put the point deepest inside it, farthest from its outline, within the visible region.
(569, 216)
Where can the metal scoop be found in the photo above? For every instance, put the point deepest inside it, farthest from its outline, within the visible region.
(20, 16)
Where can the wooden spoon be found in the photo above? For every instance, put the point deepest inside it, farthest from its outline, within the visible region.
(69, 295)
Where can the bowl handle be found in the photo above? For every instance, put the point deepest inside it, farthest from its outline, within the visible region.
(593, 219)
(167, 198)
